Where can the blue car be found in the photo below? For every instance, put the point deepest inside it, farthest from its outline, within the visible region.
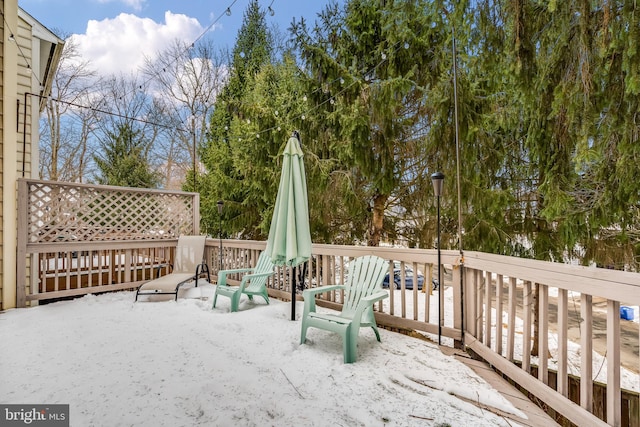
(409, 278)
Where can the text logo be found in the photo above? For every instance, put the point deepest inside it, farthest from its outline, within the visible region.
(34, 415)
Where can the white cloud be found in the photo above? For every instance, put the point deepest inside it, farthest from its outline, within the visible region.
(119, 45)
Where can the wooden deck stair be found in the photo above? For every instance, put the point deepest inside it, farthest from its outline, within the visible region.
(536, 416)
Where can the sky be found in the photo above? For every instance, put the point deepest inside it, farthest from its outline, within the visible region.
(117, 362)
(115, 35)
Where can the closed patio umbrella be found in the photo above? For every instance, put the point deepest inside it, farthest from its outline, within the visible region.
(289, 242)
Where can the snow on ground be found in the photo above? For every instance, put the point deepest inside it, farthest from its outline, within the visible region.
(629, 380)
(120, 363)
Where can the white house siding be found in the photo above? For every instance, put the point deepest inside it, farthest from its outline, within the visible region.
(8, 230)
(23, 67)
(2, 104)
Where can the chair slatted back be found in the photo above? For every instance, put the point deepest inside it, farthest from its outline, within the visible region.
(189, 253)
(365, 277)
(263, 265)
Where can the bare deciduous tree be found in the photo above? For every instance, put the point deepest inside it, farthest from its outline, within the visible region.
(66, 127)
(128, 105)
(184, 81)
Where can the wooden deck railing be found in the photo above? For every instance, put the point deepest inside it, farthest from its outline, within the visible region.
(61, 270)
(569, 298)
(493, 295)
(75, 236)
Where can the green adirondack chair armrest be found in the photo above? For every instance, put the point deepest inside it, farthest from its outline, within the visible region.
(222, 274)
(363, 305)
(309, 296)
(248, 277)
(371, 299)
(322, 289)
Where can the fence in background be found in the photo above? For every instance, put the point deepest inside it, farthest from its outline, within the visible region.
(76, 238)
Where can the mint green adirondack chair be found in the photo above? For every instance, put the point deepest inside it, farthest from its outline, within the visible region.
(254, 282)
(362, 290)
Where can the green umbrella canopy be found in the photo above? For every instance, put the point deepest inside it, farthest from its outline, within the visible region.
(289, 236)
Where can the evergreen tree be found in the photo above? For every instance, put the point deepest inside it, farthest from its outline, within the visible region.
(230, 121)
(123, 160)
(575, 67)
(547, 103)
(370, 63)
(546, 106)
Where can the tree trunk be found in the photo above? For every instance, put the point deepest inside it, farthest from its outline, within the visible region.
(377, 220)
(536, 323)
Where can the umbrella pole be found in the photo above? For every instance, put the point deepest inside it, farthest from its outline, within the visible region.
(303, 275)
(294, 286)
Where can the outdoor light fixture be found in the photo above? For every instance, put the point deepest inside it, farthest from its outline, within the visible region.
(437, 179)
(220, 205)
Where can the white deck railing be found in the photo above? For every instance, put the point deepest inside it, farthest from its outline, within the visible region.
(492, 295)
(505, 285)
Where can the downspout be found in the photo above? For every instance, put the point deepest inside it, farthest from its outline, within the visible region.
(24, 135)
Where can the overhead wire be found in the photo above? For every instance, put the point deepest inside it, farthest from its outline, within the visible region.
(185, 128)
(12, 35)
(365, 72)
(110, 113)
(144, 83)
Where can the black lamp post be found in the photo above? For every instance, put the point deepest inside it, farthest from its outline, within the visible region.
(437, 179)
(220, 204)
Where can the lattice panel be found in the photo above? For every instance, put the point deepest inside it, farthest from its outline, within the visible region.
(63, 212)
